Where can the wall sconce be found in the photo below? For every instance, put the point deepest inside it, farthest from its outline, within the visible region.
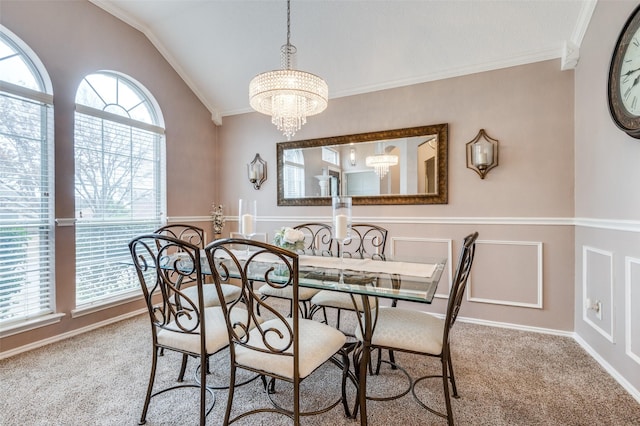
(482, 153)
(352, 156)
(257, 171)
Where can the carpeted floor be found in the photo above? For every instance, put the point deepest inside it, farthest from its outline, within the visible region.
(505, 377)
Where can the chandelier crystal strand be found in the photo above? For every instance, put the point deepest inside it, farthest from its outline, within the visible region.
(288, 95)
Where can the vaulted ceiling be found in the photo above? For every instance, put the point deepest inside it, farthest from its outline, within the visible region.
(357, 46)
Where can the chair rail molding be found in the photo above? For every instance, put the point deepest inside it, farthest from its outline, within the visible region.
(544, 221)
(613, 224)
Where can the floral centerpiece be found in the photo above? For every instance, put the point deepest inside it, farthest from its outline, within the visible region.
(289, 238)
(217, 215)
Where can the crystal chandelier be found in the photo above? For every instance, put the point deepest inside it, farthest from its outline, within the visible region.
(288, 95)
(381, 163)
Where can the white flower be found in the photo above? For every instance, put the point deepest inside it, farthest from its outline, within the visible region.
(292, 236)
(290, 239)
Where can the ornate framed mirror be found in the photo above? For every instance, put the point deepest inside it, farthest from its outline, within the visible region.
(401, 166)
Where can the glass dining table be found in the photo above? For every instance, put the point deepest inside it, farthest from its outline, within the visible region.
(414, 280)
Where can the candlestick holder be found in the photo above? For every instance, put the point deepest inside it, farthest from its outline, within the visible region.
(482, 154)
(247, 216)
(341, 226)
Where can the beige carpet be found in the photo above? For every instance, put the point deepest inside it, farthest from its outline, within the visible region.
(504, 377)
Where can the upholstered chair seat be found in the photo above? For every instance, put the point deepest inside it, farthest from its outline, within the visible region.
(317, 343)
(210, 294)
(216, 338)
(406, 329)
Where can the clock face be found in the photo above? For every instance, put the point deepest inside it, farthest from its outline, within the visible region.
(624, 78)
(630, 76)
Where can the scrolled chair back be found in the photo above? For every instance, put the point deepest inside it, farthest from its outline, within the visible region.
(163, 263)
(318, 239)
(275, 267)
(189, 233)
(366, 241)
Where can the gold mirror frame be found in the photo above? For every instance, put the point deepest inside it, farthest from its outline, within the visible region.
(440, 197)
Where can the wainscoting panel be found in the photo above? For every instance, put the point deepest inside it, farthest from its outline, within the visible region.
(632, 310)
(423, 248)
(597, 287)
(507, 273)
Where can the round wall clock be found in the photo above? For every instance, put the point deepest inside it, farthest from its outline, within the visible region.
(624, 78)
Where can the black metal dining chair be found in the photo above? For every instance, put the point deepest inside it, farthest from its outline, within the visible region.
(195, 235)
(367, 241)
(417, 332)
(179, 322)
(288, 349)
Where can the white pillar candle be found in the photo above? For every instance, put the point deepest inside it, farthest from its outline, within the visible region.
(481, 156)
(341, 226)
(247, 224)
(482, 159)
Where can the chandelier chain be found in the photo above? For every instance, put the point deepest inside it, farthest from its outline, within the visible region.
(288, 22)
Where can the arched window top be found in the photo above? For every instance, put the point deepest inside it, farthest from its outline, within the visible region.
(294, 156)
(112, 93)
(20, 67)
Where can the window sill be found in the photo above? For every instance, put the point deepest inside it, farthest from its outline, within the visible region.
(106, 304)
(31, 324)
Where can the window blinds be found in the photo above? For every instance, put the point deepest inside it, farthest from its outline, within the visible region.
(119, 193)
(26, 208)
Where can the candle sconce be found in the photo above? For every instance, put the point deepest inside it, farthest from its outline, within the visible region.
(482, 154)
(257, 171)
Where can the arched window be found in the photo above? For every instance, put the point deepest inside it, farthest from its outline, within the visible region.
(26, 187)
(119, 182)
(293, 173)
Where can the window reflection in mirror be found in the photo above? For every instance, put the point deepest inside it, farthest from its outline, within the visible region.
(404, 166)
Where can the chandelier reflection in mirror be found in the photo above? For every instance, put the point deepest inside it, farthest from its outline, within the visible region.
(381, 161)
(288, 95)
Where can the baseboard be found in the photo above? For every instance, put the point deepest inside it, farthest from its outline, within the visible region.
(517, 327)
(608, 368)
(73, 333)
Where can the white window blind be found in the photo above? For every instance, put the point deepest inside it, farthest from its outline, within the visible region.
(119, 187)
(26, 208)
(293, 173)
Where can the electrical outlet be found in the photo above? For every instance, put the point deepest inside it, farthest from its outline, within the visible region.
(598, 309)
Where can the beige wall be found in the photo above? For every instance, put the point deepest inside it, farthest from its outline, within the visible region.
(607, 246)
(73, 39)
(523, 209)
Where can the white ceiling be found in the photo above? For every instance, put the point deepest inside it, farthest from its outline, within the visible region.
(357, 46)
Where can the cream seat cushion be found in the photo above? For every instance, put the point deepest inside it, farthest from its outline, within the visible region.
(215, 327)
(230, 292)
(339, 300)
(407, 329)
(317, 343)
(304, 293)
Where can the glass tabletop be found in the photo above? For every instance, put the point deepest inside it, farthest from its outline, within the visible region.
(401, 279)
